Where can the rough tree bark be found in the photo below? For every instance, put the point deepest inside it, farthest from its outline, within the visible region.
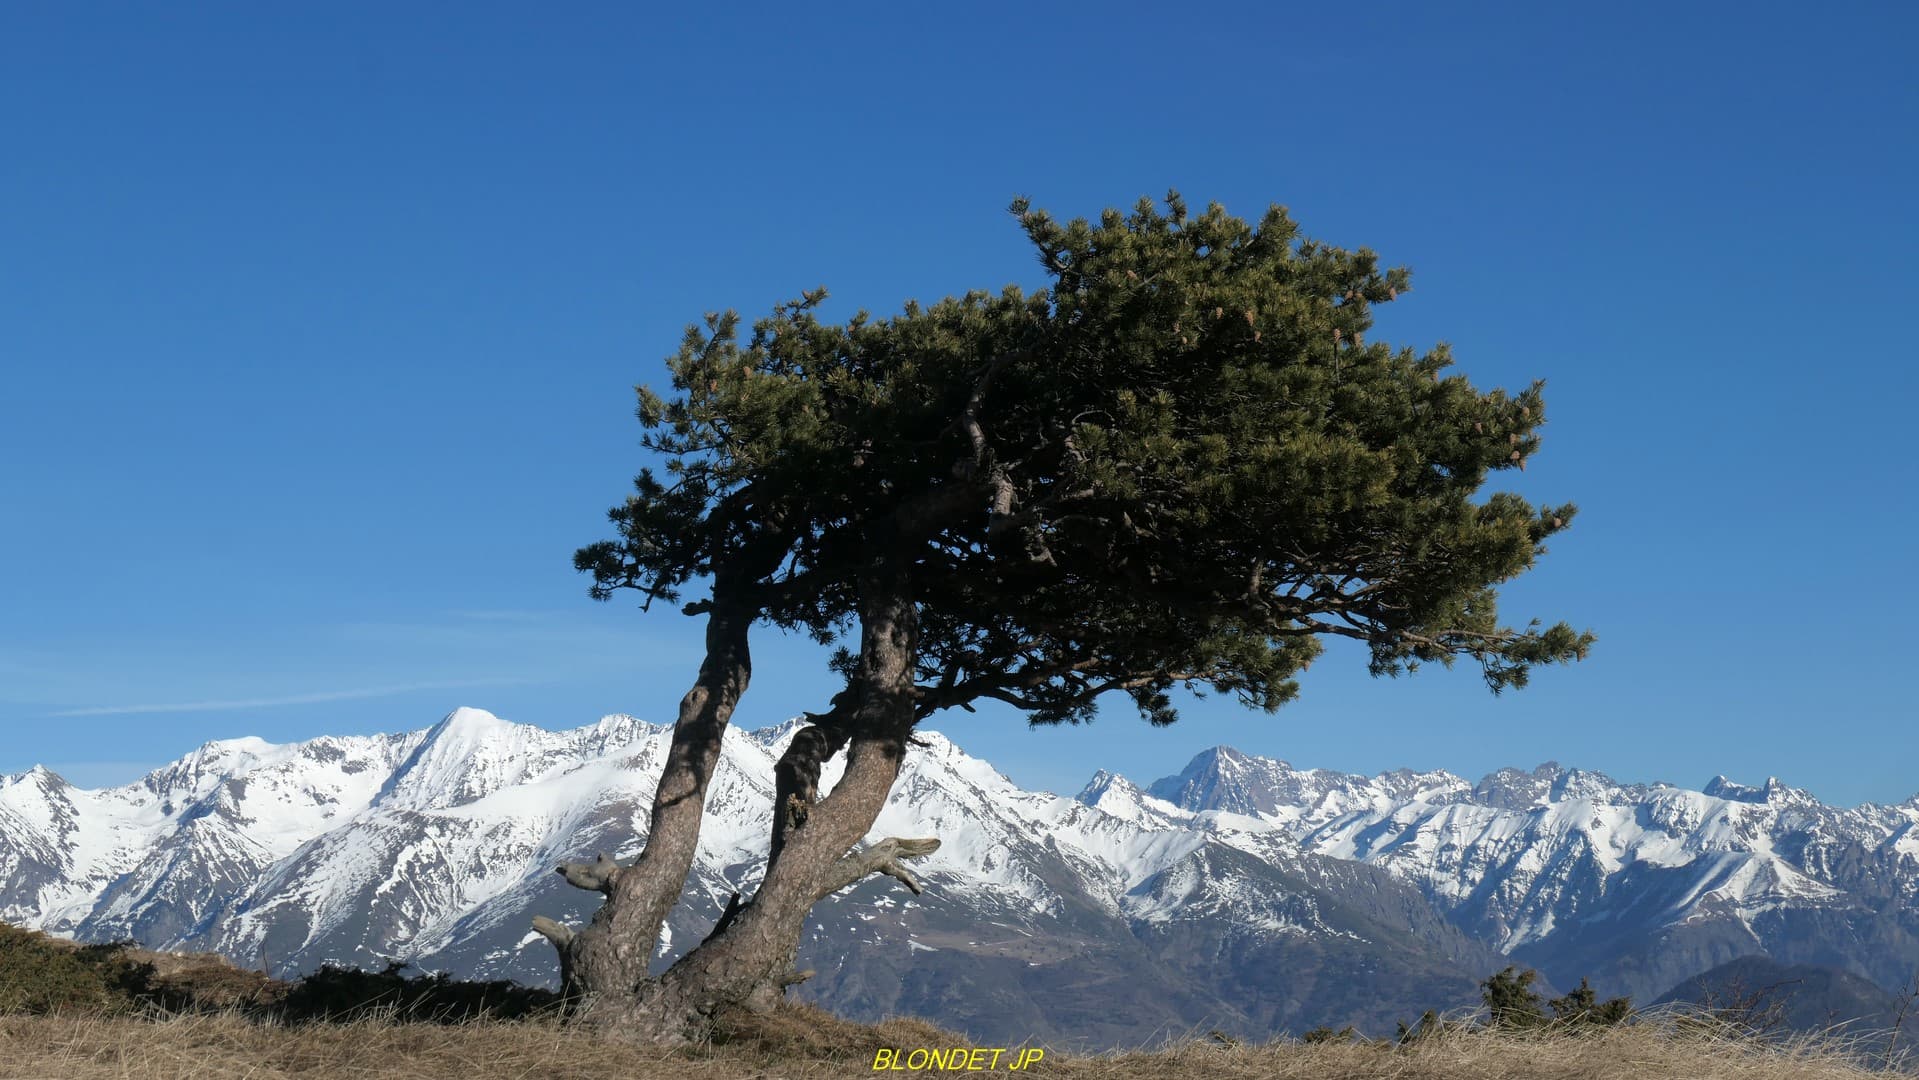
(603, 964)
(749, 958)
(796, 776)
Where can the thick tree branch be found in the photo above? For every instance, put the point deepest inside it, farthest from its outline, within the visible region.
(557, 933)
(600, 875)
(969, 422)
(796, 776)
(883, 857)
(561, 936)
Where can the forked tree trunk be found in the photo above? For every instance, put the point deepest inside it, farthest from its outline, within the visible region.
(748, 959)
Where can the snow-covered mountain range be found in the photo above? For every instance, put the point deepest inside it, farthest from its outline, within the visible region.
(1241, 894)
(1577, 874)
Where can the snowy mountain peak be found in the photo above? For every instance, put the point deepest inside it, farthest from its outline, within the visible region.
(41, 775)
(1549, 783)
(1512, 789)
(467, 723)
(780, 734)
(1722, 787)
(1100, 784)
(1774, 789)
(472, 754)
(1227, 780)
(1222, 778)
(1113, 794)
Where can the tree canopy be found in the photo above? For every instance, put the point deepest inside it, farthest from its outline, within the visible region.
(1181, 462)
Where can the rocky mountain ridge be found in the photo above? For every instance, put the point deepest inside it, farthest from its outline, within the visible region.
(1242, 893)
(1638, 886)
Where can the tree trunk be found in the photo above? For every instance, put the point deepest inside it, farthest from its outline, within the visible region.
(796, 776)
(748, 960)
(603, 966)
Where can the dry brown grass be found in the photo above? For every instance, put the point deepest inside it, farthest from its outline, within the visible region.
(1634, 1052)
(799, 1043)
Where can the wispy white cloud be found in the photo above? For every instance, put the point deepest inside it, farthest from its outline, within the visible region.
(292, 699)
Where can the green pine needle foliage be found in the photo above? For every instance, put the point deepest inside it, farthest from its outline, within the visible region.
(1512, 1003)
(1182, 463)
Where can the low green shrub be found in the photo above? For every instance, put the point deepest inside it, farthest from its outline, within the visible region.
(41, 975)
(342, 995)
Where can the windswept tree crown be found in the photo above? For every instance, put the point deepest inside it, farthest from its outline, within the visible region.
(1180, 463)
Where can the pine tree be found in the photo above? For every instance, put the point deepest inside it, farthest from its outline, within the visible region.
(1178, 465)
(1512, 1003)
(1582, 1008)
(1510, 1000)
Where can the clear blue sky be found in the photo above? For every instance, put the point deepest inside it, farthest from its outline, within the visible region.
(319, 324)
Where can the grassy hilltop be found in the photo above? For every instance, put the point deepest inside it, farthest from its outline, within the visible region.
(801, 1043)
(100, 1012)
